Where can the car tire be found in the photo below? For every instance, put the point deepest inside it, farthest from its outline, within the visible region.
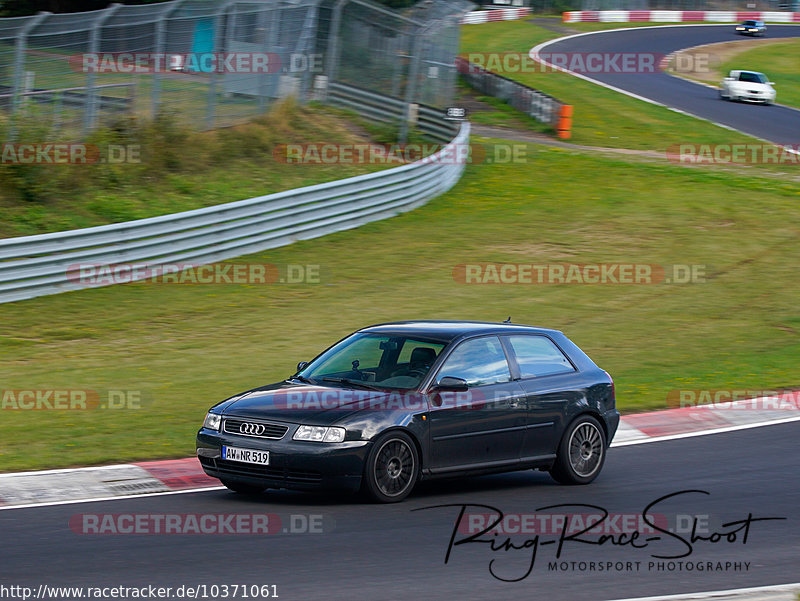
(243, 488)
(581, 452)
(392, 468)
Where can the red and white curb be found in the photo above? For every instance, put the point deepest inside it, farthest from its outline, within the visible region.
(172, 476)
(106, 482)
(497, 14)
(678, 16)
(778, 592)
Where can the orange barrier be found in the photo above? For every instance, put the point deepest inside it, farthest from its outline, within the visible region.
(564, 128)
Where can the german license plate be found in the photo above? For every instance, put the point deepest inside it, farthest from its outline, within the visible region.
(245, 455)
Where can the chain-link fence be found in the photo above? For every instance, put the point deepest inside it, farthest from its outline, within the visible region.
(214, 63)
(735, 5)
(409, 56)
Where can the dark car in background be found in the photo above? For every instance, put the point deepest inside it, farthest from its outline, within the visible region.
(751, 27)
(398, 402)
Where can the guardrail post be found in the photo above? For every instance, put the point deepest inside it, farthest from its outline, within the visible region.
(90, 108)
(19, 66)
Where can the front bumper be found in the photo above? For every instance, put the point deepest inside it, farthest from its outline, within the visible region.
(293, 464)
(757, 98)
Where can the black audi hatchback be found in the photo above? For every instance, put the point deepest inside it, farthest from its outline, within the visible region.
(398, 402)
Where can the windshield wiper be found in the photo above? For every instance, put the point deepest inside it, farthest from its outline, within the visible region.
(302, 379)
(356, 383)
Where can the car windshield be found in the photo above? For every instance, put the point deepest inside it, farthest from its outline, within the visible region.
(750, 23)
(375, 360)
(752, 77)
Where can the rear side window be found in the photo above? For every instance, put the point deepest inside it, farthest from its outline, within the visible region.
(479, 361)
(538, 356)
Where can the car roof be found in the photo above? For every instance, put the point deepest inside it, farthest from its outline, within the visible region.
(447, 330)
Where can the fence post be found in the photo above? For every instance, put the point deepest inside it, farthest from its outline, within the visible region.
(270, 82)
(306, 45)
(90, 108)
(212, 81)
(411, 86)
(19, 66)
(333, 41)
(161, 29)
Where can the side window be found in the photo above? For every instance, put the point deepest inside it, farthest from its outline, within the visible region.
(479, 361)
(538, 356)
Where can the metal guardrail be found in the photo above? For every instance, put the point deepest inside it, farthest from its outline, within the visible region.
(75, 97)
(44, 264)
(383, 108)
(542, 107)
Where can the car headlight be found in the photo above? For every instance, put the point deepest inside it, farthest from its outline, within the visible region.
(319, 434)
(212, 421)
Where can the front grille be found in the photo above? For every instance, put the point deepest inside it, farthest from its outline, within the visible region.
(256, 429)
(236, 468)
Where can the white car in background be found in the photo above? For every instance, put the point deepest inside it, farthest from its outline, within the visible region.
(747, 85)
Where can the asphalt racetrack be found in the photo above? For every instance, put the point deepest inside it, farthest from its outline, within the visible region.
(777, 124)
(367, 551)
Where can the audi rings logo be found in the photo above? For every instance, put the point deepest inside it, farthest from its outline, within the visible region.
(251, 429)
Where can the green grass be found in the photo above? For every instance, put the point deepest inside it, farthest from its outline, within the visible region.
(180, 169)
(779, 61)
(186, 347)
(601, 117)
(496, 112)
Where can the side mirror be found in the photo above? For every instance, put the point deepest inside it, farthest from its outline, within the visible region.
(302, 365)
(451, 383)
